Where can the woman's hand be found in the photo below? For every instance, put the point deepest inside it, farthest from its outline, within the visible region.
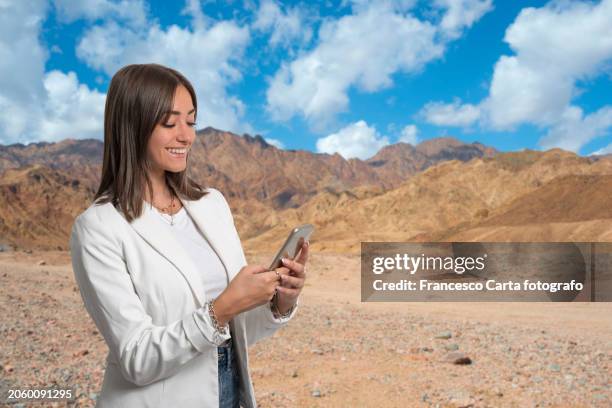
(293, 277)
(254, 285)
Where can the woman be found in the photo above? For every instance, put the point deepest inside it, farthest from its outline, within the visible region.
(159, 262)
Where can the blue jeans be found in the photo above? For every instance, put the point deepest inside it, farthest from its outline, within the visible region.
(229, 381)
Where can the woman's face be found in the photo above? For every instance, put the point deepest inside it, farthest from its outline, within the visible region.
(171, 140)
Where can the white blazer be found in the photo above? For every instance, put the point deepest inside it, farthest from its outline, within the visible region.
(143, 292)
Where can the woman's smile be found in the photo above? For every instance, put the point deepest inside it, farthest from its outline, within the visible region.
(177, 153)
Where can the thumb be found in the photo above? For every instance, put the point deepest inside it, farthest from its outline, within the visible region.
(257, 269)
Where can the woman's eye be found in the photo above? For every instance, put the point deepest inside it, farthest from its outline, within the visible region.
(171, 125)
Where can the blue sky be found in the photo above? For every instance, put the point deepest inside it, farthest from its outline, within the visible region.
(335, 76)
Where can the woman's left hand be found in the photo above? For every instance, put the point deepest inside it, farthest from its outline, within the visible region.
(293, 277)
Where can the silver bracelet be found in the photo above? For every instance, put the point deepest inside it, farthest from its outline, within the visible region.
(277, 312)
(213, 317)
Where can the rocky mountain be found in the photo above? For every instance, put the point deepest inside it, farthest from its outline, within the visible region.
(447, 198)
(39, 205)
(257, 178)
(568, 208)
(82, 157)
(288, 178)
(435, 190)
(249, 167)
(396, 161)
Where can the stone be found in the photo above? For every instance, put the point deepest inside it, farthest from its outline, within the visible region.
(444, 335)
(456, 357)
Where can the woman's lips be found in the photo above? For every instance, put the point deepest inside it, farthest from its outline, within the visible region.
(177, 155)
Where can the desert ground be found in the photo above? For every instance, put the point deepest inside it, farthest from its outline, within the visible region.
(338, 351)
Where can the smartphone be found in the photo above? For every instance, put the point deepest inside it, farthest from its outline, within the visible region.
(292, 245)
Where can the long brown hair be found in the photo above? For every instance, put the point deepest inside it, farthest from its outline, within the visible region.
(140, 96)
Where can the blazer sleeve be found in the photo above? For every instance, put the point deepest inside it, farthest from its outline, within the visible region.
(145, 352)
(260, 322)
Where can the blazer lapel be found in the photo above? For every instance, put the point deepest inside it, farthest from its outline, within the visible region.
(152, 229)
(207, 218)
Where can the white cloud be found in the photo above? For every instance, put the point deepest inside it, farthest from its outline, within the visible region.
(130, 11)
(604, 150)
(537, 84)
(207, 55)
(274, 142)
(409, 134)
(400, 6)
(285, 26)
(556, 47)
(35, 105)
(22, 66)
(71, 109)
(363, 50)
(199, 20)
(461, 14)
(451, 114)
(355, 140)
(574, 129)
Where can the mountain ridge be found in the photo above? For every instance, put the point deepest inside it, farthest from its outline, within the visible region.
(403, 192)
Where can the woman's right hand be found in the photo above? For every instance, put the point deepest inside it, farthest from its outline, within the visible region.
(254, 285)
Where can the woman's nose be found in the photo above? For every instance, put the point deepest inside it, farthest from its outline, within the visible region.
(184, 132)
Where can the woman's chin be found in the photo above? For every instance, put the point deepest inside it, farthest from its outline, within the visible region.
(176, 168)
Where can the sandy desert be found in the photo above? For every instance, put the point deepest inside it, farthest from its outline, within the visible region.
(338, 351)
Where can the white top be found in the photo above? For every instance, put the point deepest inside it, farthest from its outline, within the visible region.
(213, 273)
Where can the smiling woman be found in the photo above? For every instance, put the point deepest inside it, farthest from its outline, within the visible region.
(174, 299)
(150, 110)
(172, 139)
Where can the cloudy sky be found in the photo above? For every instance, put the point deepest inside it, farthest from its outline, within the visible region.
(335, 76)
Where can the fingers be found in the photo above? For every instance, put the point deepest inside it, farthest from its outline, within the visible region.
(283, 270)
(258, 268)
(268, 276)
(303, 255)
(292, 282)
(288, 291)
(275, 276)
(296, 267)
